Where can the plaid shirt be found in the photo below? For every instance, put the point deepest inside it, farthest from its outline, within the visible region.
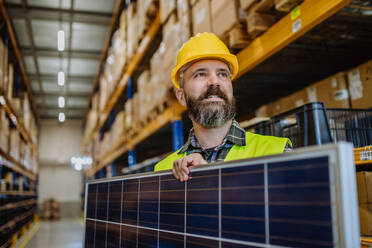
(235, 136)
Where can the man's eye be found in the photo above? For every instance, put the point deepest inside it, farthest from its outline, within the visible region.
(223, 74)
(200, 74)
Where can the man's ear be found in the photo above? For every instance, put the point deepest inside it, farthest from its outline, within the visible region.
(180, 94)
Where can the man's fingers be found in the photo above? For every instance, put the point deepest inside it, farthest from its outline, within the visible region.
(175, 174)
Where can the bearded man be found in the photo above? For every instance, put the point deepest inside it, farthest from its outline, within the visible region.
(203, 80)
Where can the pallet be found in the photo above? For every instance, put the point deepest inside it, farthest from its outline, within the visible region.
(237, 37)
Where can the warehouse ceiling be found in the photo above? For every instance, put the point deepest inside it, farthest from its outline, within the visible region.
(85, 24)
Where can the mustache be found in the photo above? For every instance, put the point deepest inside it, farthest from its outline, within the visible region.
(213, 91)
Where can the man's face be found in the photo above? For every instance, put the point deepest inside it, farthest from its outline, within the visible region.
(208, 93)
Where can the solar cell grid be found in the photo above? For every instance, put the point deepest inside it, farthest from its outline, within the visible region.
(285, 201)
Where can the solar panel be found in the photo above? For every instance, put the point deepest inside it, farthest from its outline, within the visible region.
(305, 198)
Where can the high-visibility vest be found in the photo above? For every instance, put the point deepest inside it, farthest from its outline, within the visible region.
(256, 145)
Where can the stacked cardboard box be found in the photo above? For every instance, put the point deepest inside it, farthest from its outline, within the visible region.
(360, 85)
(51, 209)
(4, 131)
(132, 27)
(14, 142)
(129, 112)
(332, 91)
(118, 127)
(167, 7)
(201, 16)
(364, 183)
(144, 93)
(3, 67)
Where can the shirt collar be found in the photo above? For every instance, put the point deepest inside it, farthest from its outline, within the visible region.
(236, 136)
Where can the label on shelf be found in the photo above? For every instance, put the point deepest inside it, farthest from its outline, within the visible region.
(356, 86)
(365, 155)
(296, 25)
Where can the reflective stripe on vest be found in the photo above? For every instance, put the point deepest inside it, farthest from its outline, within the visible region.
(256, 145)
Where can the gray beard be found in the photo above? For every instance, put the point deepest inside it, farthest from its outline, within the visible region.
(211, 114)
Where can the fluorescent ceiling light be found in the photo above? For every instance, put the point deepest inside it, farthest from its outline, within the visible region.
(61, 117)
(61, 102)
(61, 78)
(61, 40)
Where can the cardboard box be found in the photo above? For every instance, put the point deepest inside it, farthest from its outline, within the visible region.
(132, 27)
(293, 101)
(364, 184)
(201, 17)
(4, 131)
(183, 8)
(332, 91)
(246, 4)
(225, 15)
(365, 219)
(360, 85)
(286, 5)
(10, 82)
(269, 110)
(185, 28)
(166, 8)
(14, 144)
(128, 113)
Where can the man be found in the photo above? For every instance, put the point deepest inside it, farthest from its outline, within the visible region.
(202, 77)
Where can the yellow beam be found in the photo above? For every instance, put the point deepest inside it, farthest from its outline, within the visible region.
(285, 31)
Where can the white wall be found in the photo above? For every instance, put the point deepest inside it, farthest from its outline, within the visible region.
(58, 143)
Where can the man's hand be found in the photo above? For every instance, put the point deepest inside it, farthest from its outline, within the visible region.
(181, 167)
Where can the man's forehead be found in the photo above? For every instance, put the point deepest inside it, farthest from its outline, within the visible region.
(208, 64)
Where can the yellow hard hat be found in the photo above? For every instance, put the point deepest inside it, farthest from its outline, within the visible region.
(204, 46)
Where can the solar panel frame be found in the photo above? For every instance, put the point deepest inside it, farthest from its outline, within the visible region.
(343, 195)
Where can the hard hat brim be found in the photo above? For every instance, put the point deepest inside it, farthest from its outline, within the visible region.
(231, 59)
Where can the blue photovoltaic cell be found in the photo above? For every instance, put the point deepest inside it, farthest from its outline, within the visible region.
(296, 187)
(91, 202)
(114, 203)
(113, 235)
(102, 200)
(202, 203)
(132, 212)
(172, 204)
(148, 202)
(130, 202)
(147, 238)
(89, 233)
(243, 203)
(170, 240)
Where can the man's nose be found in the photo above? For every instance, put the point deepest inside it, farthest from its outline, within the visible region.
(213, 80)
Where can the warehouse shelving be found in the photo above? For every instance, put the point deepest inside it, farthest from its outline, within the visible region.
(129, 70)
(295, 24)
(127, 143)
(16, 120)
(19, 58)
(18, 202)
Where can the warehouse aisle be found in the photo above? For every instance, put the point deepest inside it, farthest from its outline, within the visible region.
(66, 233)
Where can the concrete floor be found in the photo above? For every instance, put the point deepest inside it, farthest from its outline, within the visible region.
(65, 233)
